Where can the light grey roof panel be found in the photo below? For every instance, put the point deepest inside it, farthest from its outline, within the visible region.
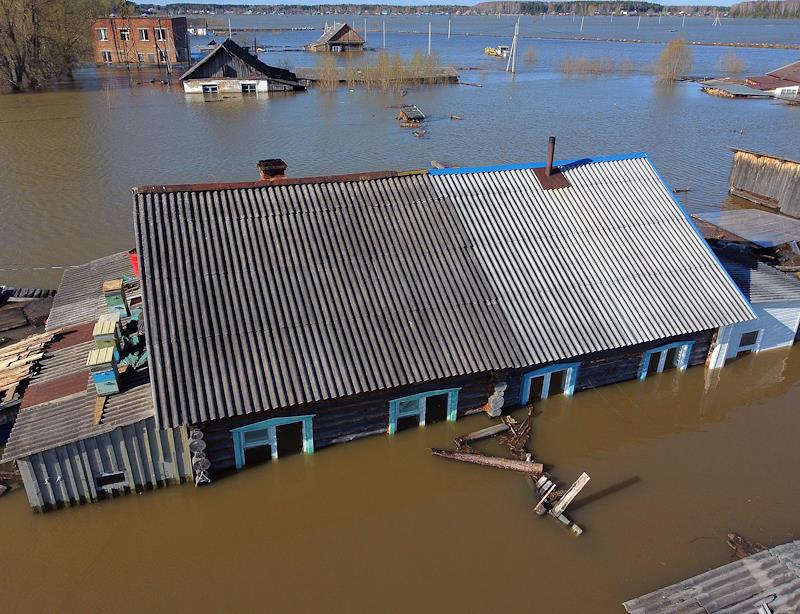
(265, 297)
(760, 282)
(771, 577)
(79, 297)
(763, 228)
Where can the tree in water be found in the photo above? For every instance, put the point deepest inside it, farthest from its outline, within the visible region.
(675, 61)
(44, 39)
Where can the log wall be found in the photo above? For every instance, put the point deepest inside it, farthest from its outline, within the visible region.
(766, 180)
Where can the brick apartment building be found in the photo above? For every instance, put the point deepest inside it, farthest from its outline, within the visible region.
(141, 40)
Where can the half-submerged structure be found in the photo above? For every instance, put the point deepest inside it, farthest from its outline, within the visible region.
(766, 179)
(781, 82)
(230, 68)
(86, 429)
(291, 314)
(338, 38)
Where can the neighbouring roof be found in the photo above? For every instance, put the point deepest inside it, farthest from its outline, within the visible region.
(734, 89)
(231, 48)
(79, 298)
(59, 403)
(785, 76)
(264, 296)
(771, 577)
(412, 112)
(762, 228)
(758, 281)
(334, 32)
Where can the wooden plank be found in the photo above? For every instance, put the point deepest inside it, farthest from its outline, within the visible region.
(573, 491)
(489, 431)
(99, 408)
(491, 461)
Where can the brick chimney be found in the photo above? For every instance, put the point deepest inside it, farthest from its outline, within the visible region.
(272, 170)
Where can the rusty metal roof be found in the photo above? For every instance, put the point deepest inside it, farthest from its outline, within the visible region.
(769, 578)
(272, 296)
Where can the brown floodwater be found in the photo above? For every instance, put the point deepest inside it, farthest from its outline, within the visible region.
(380, 525)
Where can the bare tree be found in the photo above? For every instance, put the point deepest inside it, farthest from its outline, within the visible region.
(675, 61)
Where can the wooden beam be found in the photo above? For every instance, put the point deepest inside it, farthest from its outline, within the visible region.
(491, 461)
(489, 431)
(573, 491)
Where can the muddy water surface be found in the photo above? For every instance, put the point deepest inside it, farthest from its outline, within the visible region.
(380, 525)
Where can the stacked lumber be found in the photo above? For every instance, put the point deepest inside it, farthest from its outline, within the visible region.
(18, 360)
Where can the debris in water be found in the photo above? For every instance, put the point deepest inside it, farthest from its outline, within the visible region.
(743, 547)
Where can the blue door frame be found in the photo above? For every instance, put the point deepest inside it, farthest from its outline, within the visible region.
(570, 378)
(417, 407)
(270, 437)
(681, 360)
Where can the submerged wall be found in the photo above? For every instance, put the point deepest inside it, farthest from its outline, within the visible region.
(129, 458)
(766, 180)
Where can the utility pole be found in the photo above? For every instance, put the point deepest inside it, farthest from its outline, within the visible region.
(429, 38)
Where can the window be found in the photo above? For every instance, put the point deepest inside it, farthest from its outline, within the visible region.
(161, 34)
(210, 88)
(106, 57)
(248, 88)
(151, 58)
(427, 406)
(671, 356)
(144, 34)
(111, 479)
(548, 382)
(162, 55)
(140, 58)
(124, 34)
(102, 34)
(277, 436)
(749, 342)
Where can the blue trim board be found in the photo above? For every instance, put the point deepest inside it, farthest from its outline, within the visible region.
(394, 414)
(271, 439)
(700, 236)
(684, 357)
(569, 382)
(465, 170)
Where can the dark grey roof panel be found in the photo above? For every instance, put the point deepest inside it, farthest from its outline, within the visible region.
(265, 297)
(760, 282)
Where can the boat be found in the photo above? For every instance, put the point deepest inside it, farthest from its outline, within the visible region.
(501, 51)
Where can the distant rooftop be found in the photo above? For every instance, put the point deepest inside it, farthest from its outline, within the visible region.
(763, 228)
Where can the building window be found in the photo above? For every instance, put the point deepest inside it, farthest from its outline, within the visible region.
(111, 479)
(151, 58)
(210, 88)
(106, 57)
(102, 34)
(248, 88)
(548, 382)
(749, 342)
(275, 437)
(144, 34)
(124, 34)
(671, 356)
(162, 55)
(161, 34)
(418, 409)
(140, 58)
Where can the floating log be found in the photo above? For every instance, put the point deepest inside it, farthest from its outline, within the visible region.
(522, 466)
(489, 431)
(743, 547)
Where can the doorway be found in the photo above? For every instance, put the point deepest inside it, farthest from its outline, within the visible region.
(548, 382)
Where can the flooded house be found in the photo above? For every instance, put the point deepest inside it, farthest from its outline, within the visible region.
(125, 41)
(338, 38)
(289, 314)
(781, 82)
(85, 429)
(232, 69)
(766, 179)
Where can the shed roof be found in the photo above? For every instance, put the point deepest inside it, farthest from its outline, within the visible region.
(770, 577)
(785, 76)
(762, 228)
(334, 32)
(760, 282)
(265, 296)
(232, 48)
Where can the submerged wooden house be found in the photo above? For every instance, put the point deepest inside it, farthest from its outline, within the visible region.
(84, 433)
(230, 68)
(781, 82)
(338, 38)
(292, 314)
(767, 180)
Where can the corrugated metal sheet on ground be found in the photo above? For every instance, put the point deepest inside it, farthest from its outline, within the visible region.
(771, 577)
(763, 228)
(79, 297)
(760, 282)
(267, 297)
(71, 418)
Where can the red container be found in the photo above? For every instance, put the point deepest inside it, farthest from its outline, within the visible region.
(134, 258)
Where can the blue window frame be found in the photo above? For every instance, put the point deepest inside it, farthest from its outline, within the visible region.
(570, 373)
(264, 433)
(666, 357)
(414, 405)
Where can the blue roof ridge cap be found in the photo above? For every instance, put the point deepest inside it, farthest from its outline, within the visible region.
(464, 170)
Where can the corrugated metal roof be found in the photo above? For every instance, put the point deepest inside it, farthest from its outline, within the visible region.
(79, 298)
(734, 89)
(771, 577)
(763, 228)
(260, 298)
(760, 282)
